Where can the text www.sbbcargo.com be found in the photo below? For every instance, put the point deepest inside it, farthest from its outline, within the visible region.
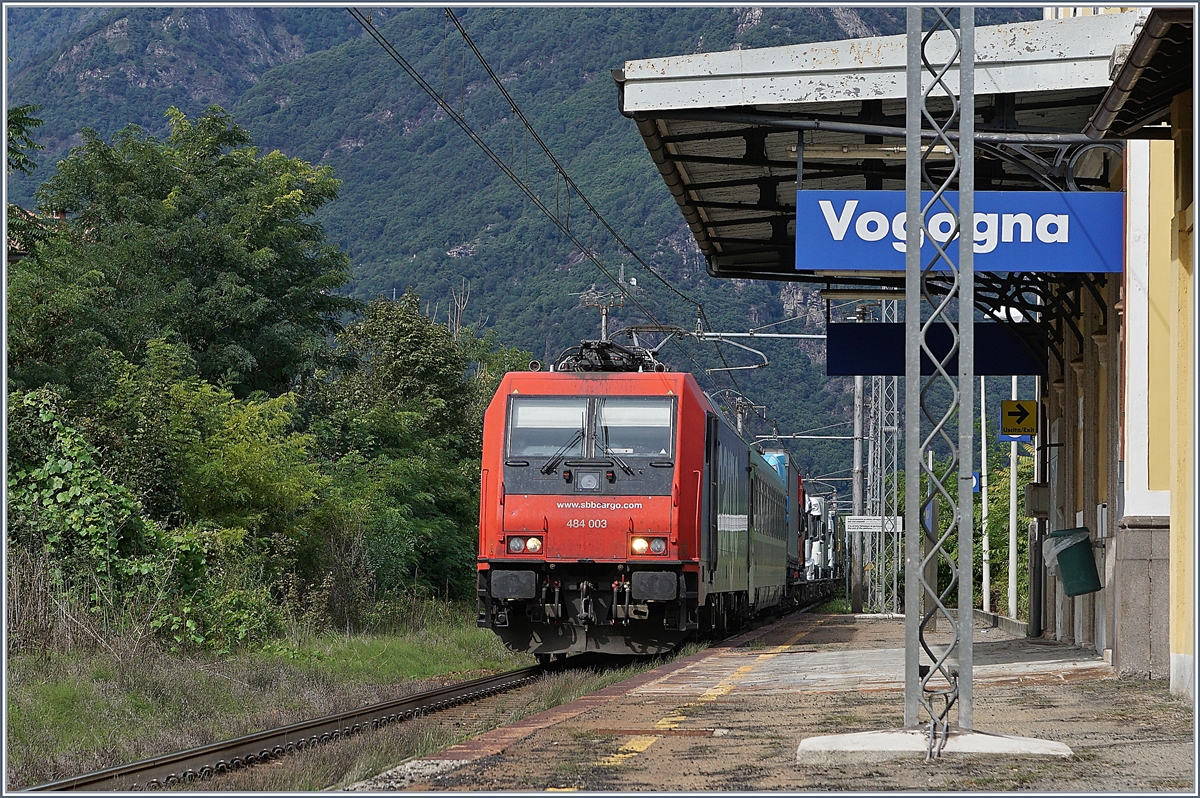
(599, 505)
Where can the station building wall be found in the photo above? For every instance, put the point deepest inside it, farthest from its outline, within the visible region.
(1181, 304)
(1148, 566)
(1139, 579)
(1152, 567)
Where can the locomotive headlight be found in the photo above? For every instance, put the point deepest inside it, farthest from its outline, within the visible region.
(516, 545)
(657, 545)
(639, 545)
(533, 545)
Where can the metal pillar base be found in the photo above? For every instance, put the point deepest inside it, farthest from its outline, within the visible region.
(913, 742)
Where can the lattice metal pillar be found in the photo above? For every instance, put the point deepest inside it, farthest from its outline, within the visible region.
(873, 506)
(889, 488)
(882, 548)
(938, 672)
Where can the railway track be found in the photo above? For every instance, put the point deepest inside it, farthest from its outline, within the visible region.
(207, 761)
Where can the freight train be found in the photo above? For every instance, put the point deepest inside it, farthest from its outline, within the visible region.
(620, 512)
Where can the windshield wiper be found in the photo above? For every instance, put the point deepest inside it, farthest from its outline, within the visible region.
(624, 466)
(558, 456)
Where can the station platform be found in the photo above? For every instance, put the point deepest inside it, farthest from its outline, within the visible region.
(731, 718)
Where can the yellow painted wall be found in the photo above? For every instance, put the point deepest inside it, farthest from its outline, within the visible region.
(1183, 379)
(1160, 289)
(1102, 439)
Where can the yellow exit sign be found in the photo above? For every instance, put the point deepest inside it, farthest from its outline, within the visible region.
(1018, 417)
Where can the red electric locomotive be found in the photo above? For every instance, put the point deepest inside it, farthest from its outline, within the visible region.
(621, 513)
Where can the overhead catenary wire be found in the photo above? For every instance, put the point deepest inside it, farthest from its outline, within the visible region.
(827, 426)
(457, 118)
(368, 25)
(570, 184)
(777, 323)
(558, 167)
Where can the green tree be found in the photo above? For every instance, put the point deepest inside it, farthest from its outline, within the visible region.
(24, 229)
(999, 475)
(200, 238)
(398, 423)
(402, 359)
(19, 142)
(61, 319)
(242, 466)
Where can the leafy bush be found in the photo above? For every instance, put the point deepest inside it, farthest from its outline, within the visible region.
(60, 502)
(161, 468)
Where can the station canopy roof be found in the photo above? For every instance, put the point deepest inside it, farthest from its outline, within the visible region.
(1158, 67)
(722, 127)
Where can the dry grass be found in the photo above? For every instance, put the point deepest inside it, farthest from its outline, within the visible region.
(49, 609)
(365, 755)
(90, 687)
(82, 709)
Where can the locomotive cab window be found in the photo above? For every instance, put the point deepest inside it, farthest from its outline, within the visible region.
(634, 427)
(545, 427)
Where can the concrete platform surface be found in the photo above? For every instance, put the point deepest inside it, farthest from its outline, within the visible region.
(735, 716)
(864, 653)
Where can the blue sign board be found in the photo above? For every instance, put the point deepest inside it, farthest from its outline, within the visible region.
(975, 482)
(1000, 349)
(1015, 231)
(1014, 438)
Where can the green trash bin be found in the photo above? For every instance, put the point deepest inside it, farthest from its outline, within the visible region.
(1075, 561)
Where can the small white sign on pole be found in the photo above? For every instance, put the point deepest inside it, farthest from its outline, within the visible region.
(868, 524)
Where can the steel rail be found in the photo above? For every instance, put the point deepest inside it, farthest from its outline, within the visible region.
(206, 761)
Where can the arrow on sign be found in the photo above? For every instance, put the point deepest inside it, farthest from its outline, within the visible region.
(1018, 417)
(1020, 414)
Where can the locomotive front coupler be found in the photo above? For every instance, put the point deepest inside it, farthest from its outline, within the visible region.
(587, 613)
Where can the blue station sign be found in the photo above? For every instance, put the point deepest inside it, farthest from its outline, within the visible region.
(1014, 231)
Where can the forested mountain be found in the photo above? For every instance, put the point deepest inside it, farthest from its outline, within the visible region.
(420, 206)
(104, 68)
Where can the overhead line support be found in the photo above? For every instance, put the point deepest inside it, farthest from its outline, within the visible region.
(929, 414)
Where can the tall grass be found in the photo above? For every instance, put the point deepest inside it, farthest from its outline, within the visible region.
(90, 685)
(51, 607)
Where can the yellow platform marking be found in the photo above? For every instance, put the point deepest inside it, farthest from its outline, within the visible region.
(631, 749)
(727, 684)
(638, 744)
(671, 721)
